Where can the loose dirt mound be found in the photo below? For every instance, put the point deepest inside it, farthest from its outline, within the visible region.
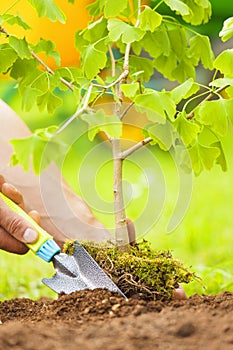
(102, 320)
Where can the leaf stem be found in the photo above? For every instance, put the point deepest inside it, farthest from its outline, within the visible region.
(209, 97)
(11, 6)
(157, 5)
(78, 112)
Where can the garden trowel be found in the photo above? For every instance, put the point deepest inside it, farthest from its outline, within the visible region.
(73, 272)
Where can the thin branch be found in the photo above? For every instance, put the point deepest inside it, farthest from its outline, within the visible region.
(121, 77)
(135, 147)
(126, 110)
(113, 62)
(78, 112)
(126, 59)
(50, 71)
(4, 31)
(209, 97)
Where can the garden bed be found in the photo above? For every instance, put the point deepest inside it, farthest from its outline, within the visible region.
(103, 320)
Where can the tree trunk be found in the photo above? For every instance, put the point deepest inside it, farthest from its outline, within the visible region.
(122, 239)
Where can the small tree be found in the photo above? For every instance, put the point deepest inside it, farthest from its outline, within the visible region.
(129, 40)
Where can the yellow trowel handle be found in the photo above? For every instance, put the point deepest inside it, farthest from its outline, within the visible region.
(45, 247)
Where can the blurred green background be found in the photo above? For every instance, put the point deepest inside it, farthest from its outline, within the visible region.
(204, 238)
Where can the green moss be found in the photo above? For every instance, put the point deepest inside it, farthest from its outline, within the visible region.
(68, 247)
(142, 271)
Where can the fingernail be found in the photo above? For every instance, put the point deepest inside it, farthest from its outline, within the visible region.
(30, 235)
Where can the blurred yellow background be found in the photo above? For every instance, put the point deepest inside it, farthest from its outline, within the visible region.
(61, 34)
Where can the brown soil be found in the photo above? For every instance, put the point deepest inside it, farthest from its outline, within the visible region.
(102, 320)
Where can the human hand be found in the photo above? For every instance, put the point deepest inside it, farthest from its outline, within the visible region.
(14, 230)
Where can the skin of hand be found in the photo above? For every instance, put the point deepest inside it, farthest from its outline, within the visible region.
(14, 230)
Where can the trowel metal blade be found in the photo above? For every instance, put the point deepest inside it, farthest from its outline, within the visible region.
(77, 272)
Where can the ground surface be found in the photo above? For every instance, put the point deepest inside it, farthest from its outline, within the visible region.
(102, 320)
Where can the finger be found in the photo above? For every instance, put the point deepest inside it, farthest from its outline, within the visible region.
(10, 244)
(2, 180)
(179, 294)
(15, 225)
(11, 192)
(35, 216)
(131, 231)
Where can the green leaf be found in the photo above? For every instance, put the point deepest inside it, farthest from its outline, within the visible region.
(178, 6)
(199, 11)
(162, 134)
(48, 8)
(157, 106)
(183, 158)
(166, 65)
(94, 59)
(96, 30)
(20, 46)
(171, 52)
(73, 75)
(96, 7)
(21, 67)
(119, 29)
(149, 19)
(215, 114)
(224, 62)
(208, 155)
(47, 47)
(221, 160)
(80, 42)
(221, 82)
(20, 156)
(185, 90)
(7, 57)
(99, 121)
(29, 98)
(203, 157)
(157, 43)
(113, 8)
(41, 81)
(12, 19)
(183, 71)
(143, 65)
(178, 41)
(41, 146)
(227, 31)
(49, 100)
(30, 77)
(130, 90)
(187, 129)
(200, 50)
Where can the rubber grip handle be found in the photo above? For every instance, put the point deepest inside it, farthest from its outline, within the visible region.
(43, 235)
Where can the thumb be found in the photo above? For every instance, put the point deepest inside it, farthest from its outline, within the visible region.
(16, 226)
